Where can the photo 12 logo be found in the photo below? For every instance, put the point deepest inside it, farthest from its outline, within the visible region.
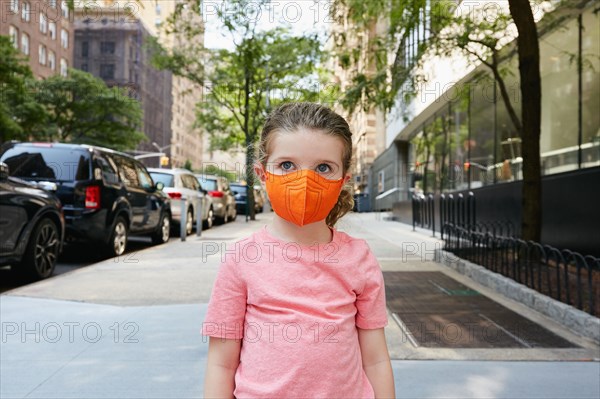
(257, 11)
(69, 331)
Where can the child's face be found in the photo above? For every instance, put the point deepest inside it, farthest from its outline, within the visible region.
(306, 149)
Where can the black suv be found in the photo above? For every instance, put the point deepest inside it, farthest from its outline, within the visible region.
(33, 228)
(106, 195)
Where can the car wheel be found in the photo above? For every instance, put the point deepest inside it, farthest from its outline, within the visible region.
(118, 238)
(163, 233)
(42, 250)
(189, 222)
(210, 219)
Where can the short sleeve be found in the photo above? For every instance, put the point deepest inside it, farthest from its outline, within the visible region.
(227, 306)
(370, 302)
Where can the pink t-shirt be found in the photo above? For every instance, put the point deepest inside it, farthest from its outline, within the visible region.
(297, 309)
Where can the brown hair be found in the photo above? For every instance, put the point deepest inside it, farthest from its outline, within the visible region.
(291, 116)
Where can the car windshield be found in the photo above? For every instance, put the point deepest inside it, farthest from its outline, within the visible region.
(164, 178)
(238, 188)
(49, 163)
(208, 184)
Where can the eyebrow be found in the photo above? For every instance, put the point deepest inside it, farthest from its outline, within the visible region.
(290, 158)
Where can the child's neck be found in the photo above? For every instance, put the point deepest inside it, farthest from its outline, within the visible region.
(306, 235)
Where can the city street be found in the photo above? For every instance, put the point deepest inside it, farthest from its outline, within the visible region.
(130, 327)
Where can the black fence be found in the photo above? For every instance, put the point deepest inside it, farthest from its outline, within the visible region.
(564, 275)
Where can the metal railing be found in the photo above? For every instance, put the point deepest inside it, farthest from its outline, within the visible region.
(564, 275)
(423, 211)
(457, 210)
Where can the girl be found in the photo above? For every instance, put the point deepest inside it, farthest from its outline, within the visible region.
(298, 308)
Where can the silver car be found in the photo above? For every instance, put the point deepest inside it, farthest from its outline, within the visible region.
(181, 184)
(222, 197)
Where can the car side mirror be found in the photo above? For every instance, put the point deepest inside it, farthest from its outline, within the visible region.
(3, 171)
(159, 186)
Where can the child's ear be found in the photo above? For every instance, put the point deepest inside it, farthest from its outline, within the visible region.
(347, 177)
(259, 171)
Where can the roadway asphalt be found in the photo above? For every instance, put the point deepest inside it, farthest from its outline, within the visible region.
(129, 328)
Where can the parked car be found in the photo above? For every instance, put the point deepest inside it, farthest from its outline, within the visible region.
(33, 227)
(259, 199)
(181, 184)
(222, 197)
(240, 193)
(106, 195)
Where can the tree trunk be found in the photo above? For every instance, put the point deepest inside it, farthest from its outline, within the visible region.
(531, 94)
(249, 147)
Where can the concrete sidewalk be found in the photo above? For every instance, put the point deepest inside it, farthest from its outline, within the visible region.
(130, 329)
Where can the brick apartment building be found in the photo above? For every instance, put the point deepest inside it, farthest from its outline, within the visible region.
(42, 30)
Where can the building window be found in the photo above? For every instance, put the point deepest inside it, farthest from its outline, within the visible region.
(380, 182)
(65, 9)
(107, 47)
(52, 30)
(43, 23)
(42, 54)
(25, 43)
(84, 67)
(64, 38)
(53, 3)
(157, 9)
(107, 71)
(51, 60)
(26, 12)
(13, 33)
(84, 49)
(14, 6)
(63, 67)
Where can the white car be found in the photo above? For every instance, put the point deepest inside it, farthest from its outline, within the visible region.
(180, 185)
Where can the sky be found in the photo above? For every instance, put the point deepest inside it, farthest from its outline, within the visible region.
(300, 15)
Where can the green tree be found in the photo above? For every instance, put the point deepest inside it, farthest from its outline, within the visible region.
(20, 115)
(477, 36)
(265, 68)
(82, 109)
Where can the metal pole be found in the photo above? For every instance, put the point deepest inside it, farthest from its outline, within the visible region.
(579, 91)
(247, 203)
(183, 219)
(199, 212)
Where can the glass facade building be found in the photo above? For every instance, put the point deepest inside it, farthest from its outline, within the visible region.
(472, 141)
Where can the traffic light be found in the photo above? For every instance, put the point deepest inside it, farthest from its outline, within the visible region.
(164, 161)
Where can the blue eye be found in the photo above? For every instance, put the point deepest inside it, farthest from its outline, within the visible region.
(286, 165)
(323, 168)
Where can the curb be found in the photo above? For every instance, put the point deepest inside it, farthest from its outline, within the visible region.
(577, 321)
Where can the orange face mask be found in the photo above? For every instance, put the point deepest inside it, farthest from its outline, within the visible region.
(302, 197)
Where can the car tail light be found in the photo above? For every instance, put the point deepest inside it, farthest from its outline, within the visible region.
(92, 197)
(216, 194)
(175, 195)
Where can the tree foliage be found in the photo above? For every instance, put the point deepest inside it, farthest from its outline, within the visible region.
(79, 108)
(20, 115)
(82, 109)
(240, 86)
